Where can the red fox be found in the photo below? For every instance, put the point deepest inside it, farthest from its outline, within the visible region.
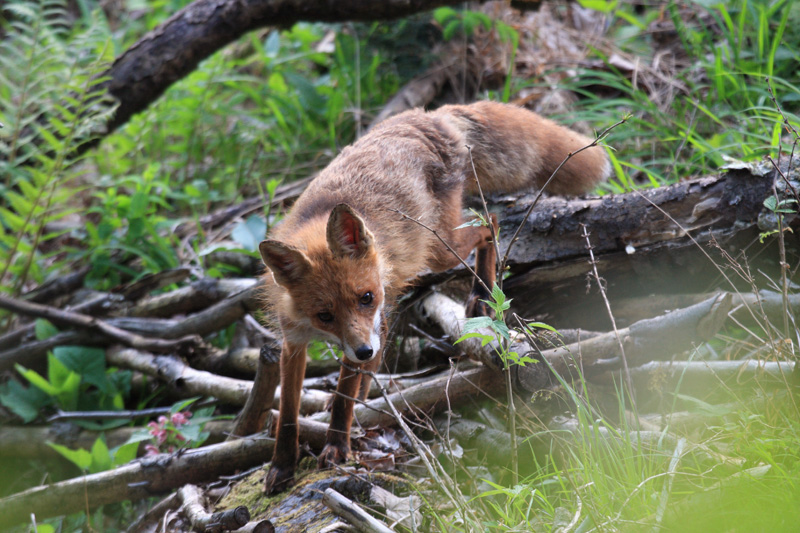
(344, 254)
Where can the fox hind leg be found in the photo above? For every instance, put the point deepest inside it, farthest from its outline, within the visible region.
(485, 268)
(463, 241)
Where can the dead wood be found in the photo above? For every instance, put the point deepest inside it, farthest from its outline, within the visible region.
(357, 517)
(153, 282)
(175, 48)
(644, 242)
(144, 478)
(31, 442)
(71, 318)
(258, 526)
(50, 290)
(706, 376)
(423, 400)
(201, 520)
(262, 396)
(186, 379)
(649, 339)
(32, 354)
(197, 295)
(148, 522)
(159, 335)
(90, 304)
(148, 476)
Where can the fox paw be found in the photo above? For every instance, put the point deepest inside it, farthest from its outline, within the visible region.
(278, 479)
(333, 454)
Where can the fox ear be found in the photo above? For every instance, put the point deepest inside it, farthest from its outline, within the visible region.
(288, 264)
(347, 235)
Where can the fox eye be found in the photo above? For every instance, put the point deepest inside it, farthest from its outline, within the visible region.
(325, 316)
(366, 299)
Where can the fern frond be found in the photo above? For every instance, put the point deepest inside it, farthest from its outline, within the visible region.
(48, 102)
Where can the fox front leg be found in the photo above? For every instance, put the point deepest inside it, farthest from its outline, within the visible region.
(284, 458)
(337, 447)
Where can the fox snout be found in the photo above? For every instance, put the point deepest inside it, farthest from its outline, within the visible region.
(364, 352)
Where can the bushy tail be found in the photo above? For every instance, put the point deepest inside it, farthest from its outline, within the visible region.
(515, 149)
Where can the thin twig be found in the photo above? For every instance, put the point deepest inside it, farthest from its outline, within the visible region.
(600, 286)
(120, 415)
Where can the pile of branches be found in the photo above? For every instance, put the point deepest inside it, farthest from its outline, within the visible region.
(163, 336)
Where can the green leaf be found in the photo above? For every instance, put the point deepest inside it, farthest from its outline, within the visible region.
(125, 453)
(89, 363)
(36, 380)
(485, 339)
(542, 325)
(480, 322)
(500, 327)
(138, 205)
(25, 402)
(471, 223)
(450, 29)
(443, 14)
(182, 405)
(44, 329)
(80, 458)
(250, 232)
(101, 458)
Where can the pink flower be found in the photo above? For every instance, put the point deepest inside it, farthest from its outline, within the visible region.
(151, 449)
(179, 419)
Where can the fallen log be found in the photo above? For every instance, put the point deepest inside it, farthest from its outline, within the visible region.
(31, 442)
(667, 240)
(655, 338)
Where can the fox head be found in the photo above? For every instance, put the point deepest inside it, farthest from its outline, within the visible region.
(333, 287)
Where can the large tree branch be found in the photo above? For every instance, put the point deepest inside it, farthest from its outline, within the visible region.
(176, 47)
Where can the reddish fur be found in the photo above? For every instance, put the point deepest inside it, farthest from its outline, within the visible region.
(325, 259)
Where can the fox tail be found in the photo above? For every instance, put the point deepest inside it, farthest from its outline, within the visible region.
(514, 149)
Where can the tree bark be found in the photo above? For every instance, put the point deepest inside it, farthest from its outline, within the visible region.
(175, 48)
(665, 241)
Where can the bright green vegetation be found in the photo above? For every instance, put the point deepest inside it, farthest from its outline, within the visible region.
(276, 106)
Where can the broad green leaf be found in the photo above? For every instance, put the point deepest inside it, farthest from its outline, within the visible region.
(125, 453)
(485, 339)
(25, 402)
(44, 329)
(473, 324)
(36, 380)
(80, 458)
(250, 232)
(101, 458)
(89, 362)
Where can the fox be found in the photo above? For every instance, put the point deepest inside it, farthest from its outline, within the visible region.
(370, 223)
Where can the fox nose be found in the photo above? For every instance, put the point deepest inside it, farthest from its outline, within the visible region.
(364, 352)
